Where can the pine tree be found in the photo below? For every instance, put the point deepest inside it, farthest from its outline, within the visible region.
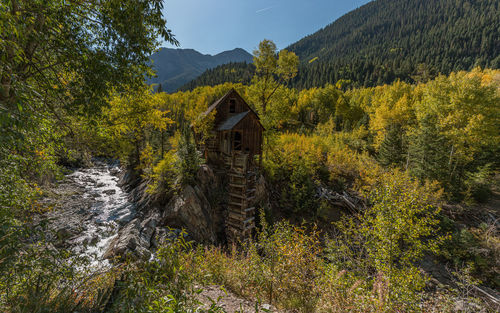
(392, 150)
(428, 151)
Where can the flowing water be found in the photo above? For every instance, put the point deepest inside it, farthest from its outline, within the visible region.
(109, 209)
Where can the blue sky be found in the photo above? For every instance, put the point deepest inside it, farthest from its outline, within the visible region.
(213, 26)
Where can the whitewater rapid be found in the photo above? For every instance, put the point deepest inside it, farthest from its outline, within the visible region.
(109, 210)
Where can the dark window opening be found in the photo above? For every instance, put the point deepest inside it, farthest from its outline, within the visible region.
(237, 141)
(232, 105)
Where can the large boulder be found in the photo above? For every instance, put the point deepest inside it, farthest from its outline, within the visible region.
(135, 239)
(199, 209)
(191, 210)
(206, 179)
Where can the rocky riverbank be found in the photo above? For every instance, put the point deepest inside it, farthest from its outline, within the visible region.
(88, 207)
(105, 212)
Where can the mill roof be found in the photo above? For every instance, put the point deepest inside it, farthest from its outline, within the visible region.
(214, 105)
(232, 121)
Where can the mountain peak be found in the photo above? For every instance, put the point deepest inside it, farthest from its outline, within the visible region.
(175, 67)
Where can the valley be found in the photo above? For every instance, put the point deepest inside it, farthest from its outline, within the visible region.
(356, 170)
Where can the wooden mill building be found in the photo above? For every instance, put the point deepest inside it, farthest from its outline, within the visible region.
(237, 129)
(236, 140)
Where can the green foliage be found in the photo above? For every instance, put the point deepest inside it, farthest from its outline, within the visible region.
(377, 43)
(279, 113)
(390, 236)
(385, 41)
(271, 71)
(280, 268)
(201, 124)
(296, 167)
(36, 277)
(132, 117)
(479, 247)
(289, 264)
(286, 266)
(16, 194)
(441, 130)
(165, 174)
(178, 167)
(57, 64)
(318, 105)
(428, 152)
(72, 81)
(61, 58)
(161, 285)
(234, 72)
(146, 161)
(189, 159)
(344, 132)
(392, 149)
(478, 184)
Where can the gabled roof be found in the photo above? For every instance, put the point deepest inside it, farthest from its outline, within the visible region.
(216, 103)
(221, 100)
(232, 121)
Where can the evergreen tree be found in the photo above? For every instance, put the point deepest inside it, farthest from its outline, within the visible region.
(428, 151)
(392, 149)
(189, 158)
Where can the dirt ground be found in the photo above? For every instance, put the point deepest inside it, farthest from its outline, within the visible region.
(230, 302)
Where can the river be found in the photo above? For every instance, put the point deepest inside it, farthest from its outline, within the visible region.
(90, 209)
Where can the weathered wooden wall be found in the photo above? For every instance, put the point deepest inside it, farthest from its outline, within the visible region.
(223, 109)
(252, 134)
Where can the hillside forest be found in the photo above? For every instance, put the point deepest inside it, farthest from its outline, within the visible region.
(422, 157)
(385, 41)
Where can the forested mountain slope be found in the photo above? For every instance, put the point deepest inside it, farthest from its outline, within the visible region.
(175, 67)
(238, 72)
(386, 40)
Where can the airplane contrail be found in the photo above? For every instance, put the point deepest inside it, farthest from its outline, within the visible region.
(265, 9)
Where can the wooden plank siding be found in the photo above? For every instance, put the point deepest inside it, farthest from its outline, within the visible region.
(223, 113)
(251, 134)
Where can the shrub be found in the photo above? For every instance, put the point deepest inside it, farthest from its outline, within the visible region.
(477, 184)
(164, 174)
(390, 236)
(163, 284)
(177, 167)
(39, 278)
(295, 164)
(478, 246)
(282, 267)
(189, 159)
(146, 162)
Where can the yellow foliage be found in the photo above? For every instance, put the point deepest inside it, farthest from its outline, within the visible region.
(135, 110)
(391, 105)
(466, 105)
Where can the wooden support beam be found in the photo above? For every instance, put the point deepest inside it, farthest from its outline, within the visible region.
(237, 185)
(249, 220)
(237, 195)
